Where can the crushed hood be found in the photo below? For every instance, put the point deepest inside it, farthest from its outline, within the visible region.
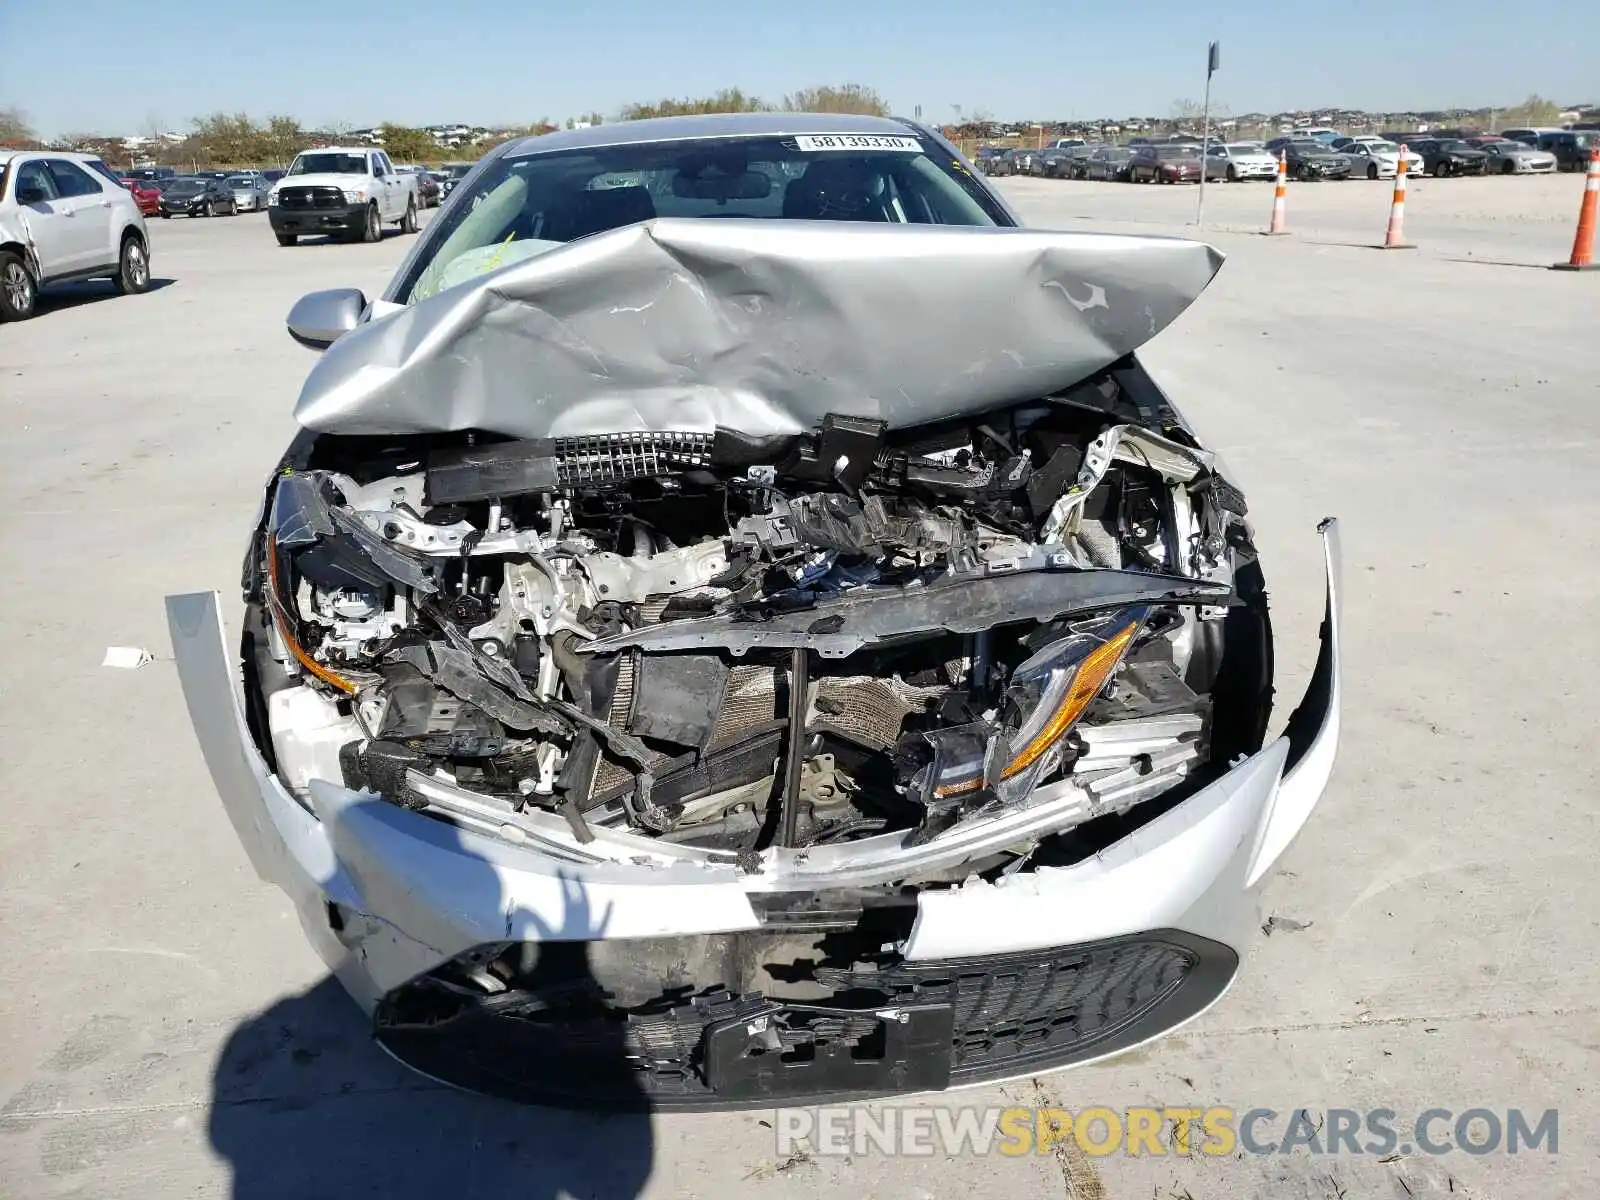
(759, 326)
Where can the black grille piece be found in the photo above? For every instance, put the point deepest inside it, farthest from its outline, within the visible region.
(603, 458)
(1021, 1007)
(1001, 1016)
(463, 473)
(300, 198)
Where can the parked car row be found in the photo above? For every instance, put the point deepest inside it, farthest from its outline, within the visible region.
(207, 195)
(1307, 157)
(1568, 148)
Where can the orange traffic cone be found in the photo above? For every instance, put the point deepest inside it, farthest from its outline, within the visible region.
(1583, 244)
(1393, 238)
(1280, 204)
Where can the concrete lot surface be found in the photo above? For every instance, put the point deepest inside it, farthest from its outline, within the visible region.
(165, 1032)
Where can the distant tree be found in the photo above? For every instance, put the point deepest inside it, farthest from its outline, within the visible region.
(15, 130)
(229, 139)
(846, 98)
(109, 149)
(1533, 111)
(186, 154)
(280, 140)
(728, 100)
(479, 149)
(408, 145)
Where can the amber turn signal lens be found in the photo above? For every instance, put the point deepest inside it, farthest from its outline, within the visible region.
(280, 614)
(1087, 680)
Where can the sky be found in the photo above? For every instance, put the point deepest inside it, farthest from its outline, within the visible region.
(118, 68)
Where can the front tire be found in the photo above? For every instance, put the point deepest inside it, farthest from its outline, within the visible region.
(208, 209)
(133, 267)
(373, 230)
(1233, 173)
(19, 291)
(1372, 170)
(1508, 168)
(288, 239)
(408, 223)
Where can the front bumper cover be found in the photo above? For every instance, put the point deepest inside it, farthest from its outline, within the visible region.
(345, 218)
(387, 896)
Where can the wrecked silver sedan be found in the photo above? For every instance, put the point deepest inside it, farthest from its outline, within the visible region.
(739, 623)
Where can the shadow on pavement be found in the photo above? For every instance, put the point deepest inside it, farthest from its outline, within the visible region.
(60, 297)
(1500, 262)
(305, 1104)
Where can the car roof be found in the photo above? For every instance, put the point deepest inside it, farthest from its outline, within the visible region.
(339, 150)
(8, 153)
(670, 129)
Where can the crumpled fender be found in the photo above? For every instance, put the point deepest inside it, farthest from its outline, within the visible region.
(14, 230)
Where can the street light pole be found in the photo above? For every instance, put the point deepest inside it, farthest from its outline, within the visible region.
(1213, 61)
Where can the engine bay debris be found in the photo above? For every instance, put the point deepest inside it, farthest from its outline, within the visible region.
(943, 644)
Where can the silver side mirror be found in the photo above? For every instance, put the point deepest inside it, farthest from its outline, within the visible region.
(318, 319)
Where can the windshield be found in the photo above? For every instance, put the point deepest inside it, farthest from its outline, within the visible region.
(1238, 149)
(241, 181)
(323, 163)
(525, 205)
(1453, 144)
(1174, 151)
(457, 170)
(181, 186)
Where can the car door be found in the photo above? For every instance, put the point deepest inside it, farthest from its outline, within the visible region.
(48, 219)
(403, 186)
(94, 212)
(389, 186)
(380, 179)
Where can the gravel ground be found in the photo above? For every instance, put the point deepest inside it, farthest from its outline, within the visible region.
(164, 1030)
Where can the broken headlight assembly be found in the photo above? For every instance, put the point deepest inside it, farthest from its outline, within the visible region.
(1048, 693)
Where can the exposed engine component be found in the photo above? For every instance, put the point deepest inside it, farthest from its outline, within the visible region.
(732, 644)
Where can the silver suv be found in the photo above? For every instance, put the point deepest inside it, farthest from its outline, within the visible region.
(65, 217)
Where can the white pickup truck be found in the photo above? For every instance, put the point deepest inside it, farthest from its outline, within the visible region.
(345, 190)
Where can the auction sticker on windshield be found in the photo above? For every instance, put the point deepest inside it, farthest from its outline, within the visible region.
(857, 141)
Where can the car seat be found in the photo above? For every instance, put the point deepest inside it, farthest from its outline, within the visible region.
(580, 212)
(838, 189)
